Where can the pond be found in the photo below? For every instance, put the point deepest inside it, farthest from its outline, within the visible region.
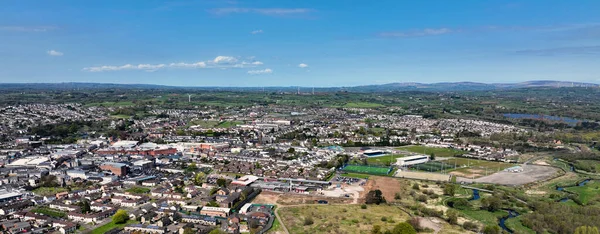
(567, 120)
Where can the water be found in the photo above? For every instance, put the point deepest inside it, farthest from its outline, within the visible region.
(475, 195)
(567, 120)
(582, 183)
(563, 199)
(502, 222)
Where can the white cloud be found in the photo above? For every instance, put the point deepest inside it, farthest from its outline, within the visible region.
(303, 65)
(27, 29)
(260, 72)
(262, 11)
(54, 53)
(223, 62)
(418, 33)
(257, 31)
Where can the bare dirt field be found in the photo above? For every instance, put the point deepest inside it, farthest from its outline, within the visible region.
(389, 187)
(530, 173)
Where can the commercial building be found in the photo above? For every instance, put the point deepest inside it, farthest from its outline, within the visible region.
(119, 169)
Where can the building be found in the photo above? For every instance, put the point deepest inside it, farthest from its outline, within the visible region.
(215, 211)
(411, 160)
(119, 169)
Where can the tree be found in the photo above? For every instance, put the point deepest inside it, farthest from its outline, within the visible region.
(291, 150)
(586, 230)
(85, 206)
(491, 203)
(199, 178)
(432, 156)
(192, 167)
(491, 229)
(449, 190)
(375, 197)
(222, 182)
(120, 217)
(403, 228)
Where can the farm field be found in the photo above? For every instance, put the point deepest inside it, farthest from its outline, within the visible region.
(384, 160)
(438, 152)
(340, 218)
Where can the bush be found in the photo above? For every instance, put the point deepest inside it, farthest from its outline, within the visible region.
(452, 217)
(363, 206)
(397, 196)
(492, 229)
(308, 221)
(422, 198)
(415, 186)
(383, 219)
(404, 228)
(375, 197)
(470, 226)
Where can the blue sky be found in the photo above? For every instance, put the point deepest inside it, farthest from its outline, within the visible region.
(288, 43)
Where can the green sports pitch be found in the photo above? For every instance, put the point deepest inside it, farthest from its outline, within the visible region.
(367, 169)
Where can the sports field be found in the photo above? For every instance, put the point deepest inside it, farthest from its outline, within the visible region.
(385, 160)
(367, 169)
(434, 166)
(439, 152)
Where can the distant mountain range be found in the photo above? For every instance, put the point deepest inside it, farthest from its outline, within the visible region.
(407, 86)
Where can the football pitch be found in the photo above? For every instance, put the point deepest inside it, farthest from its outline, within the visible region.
(367, 169)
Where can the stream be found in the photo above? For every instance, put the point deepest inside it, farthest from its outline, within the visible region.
(502, 222)
(565, 199)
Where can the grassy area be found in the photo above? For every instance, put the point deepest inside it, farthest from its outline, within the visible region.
(120, 116)
(516, 225)
(356, 175)
(48, 191)
(276, 227)
(138, 190)
(439, 152)
(484, 216)
(49, 212)
(362, 105)
(492, 166)
(341, 218)
(111, 104)
(373, 170)
(588, 192)
(384, 160)
(228, 124)
(109, 226)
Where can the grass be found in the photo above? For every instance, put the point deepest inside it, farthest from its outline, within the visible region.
(276, 227)
(484, 216)
(120, 116)
(340, 218)
(109, 226)
(49, 212)
(367, 169)
(492, 166)
(384, 160)
(138, 190)
(588, 192)
(439, 152)
(356, 175)
(515, 225)
(48, 191)
(362, 105)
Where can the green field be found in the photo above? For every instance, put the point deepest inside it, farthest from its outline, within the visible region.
(109, 226)
(516, 225)
(362, 105)
(48, 191)
(439, 152)
(384, 160)
(49, 212)
(111, 104)
(434, 166)
(367, 169)
(591, 190)
(138, 190)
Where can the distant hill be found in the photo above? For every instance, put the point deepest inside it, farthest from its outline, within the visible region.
(407, 86)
